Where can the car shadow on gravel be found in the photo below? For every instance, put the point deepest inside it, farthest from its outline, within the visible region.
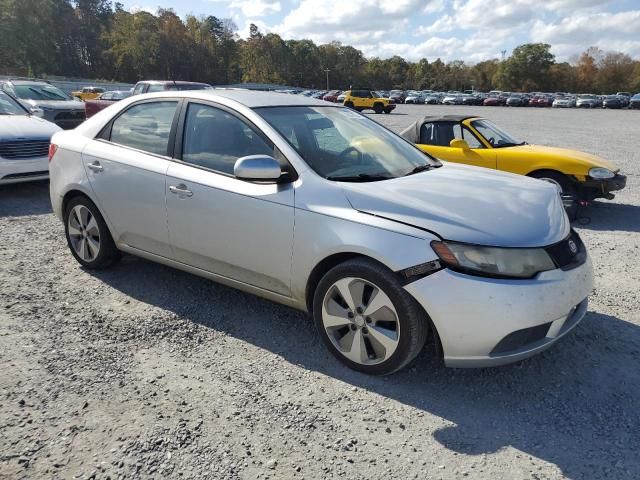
(574, 406)
(22, 199)
(609, 217)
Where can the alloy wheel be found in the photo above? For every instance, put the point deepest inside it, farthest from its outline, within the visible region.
(361, 321)
(84, 234)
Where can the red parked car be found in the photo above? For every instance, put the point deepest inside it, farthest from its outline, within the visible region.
(332, 96)
(541, 101)
(91, 107)
(491, 102)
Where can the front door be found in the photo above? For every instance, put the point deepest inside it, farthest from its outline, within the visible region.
(237, 229)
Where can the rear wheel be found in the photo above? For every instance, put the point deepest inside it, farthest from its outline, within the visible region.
(87, 235)
(366, 319)
(348, 104)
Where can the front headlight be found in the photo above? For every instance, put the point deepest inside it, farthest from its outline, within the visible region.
(493, 261)
(600, 173)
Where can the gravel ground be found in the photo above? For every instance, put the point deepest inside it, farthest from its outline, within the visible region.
(143, 371)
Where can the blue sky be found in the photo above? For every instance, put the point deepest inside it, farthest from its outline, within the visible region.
(470, 30)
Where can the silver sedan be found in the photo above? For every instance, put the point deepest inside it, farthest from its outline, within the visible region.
(317, 207)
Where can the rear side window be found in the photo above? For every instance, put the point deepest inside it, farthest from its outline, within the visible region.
(215, 139)
(145, 126)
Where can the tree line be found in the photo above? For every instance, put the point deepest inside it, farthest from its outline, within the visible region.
(100, 39)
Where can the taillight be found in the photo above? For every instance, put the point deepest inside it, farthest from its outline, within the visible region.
(53, 148)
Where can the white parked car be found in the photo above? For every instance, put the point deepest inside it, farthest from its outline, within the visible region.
(317, 207)
(564, 102)
(24, 143)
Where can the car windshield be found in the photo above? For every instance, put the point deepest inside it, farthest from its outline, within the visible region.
(8, 106)
(342, 145)
(36, 91)
(494, 135)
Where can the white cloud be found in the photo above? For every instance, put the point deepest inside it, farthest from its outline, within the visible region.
(470, 30)
(253, 8)
(140, 8)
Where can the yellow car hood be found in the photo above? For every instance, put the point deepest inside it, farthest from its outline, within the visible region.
(565, 154)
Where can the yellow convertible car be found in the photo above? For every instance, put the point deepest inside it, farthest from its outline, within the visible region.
(477, 141)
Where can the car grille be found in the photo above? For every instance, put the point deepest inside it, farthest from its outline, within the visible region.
(24, 149)
(569, 253)
(69, 119)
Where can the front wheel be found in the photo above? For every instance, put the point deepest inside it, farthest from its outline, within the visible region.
(387, 110)
(366, 319)
(378, 108)
(564, 183)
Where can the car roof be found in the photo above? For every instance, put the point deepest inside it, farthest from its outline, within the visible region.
(248, 98)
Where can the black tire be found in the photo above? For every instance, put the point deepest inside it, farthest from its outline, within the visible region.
(348, 104)
(387, 110)
(413, 323)
(558, 178)
(108, 254)
(378, 108)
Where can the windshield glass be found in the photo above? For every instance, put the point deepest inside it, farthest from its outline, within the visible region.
(39, 92)
(340, 144)
(494, 135)
(8, 106)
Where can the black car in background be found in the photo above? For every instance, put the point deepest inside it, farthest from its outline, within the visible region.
(613, 101)
(517, 100)
(635, 101)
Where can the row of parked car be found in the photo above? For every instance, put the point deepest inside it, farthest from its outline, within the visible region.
(493, 98)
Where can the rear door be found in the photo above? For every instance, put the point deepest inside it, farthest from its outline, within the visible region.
(126, 166)
(435, 139)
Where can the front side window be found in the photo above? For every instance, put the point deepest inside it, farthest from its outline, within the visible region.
(8, 106)
(215, 139)
(342, 145)
(145, 126)
(39, 92)
(494, 135)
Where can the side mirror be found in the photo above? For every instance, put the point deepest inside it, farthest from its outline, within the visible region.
(459, 143)
(36, 112)
(257, 167)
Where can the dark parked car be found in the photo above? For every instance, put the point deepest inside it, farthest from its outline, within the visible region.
(635, 101)
(613, 101)
(517, 100)
(398, 96)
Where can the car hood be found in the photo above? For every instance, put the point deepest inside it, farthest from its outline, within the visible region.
(55, 105)
(585, 158)
(23, 127)
(468, 204)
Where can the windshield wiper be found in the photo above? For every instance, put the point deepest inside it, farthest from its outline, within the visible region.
(509, 144)
(422, 168)
(361, 177)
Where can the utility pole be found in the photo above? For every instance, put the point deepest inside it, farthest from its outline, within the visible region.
(327, 72)
(503, 52)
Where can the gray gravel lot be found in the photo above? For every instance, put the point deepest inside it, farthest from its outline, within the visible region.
(143, 371)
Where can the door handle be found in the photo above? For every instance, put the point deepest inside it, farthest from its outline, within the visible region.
(181, 190)
(95, 166)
